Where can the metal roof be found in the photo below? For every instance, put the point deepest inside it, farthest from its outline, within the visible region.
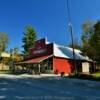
(67, 52)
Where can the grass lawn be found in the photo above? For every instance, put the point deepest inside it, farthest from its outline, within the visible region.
(96, 74)
(5, 72)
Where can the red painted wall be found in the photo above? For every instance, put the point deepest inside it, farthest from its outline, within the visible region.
(62, 65)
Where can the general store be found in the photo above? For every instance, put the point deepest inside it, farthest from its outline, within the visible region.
(46, 57)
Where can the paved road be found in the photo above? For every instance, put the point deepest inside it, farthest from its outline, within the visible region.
(52, 88)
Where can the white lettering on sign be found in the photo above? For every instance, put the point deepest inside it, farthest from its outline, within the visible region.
(39, 51)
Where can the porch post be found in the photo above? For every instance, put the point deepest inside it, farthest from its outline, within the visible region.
(53, 64)
(39, 67)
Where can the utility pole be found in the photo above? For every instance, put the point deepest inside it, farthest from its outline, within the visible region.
(72, 37)
(73, 49)
(12, 59)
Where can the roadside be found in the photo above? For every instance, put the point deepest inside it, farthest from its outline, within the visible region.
(11, 76)
(93, 77)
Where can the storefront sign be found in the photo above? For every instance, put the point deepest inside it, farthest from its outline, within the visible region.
(40, 51)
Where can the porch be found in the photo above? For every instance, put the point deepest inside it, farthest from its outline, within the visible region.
(36, 66)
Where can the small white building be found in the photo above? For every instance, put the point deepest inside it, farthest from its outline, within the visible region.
(3, 56)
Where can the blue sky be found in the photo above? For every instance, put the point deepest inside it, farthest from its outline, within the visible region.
(48, 17)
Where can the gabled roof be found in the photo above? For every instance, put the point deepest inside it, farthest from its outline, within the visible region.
(67, 52)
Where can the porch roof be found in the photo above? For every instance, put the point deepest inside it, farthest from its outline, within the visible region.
(36, 60)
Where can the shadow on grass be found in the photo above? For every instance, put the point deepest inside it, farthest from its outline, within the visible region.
(85, 76)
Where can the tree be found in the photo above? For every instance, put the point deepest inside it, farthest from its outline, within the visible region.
(29, 38)
(3, 41)
(95, 42)
(76, 46)
(91, 40)
(86, 36)
(16, 55)
(16, 50)
(88, 29)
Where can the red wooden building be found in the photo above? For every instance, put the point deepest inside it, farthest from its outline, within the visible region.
(50, 57)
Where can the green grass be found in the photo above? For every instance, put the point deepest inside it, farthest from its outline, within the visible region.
(96, 74)
(93, 77)
(5, 72)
